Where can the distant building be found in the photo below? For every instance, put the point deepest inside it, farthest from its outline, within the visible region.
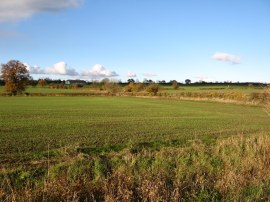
(75, 82)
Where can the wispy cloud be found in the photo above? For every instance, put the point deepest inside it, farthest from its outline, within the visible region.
(149, 74)
(61, 68)
(131, 74)
(98, 71)
(227, 57)
(13, 10)
(34, 69)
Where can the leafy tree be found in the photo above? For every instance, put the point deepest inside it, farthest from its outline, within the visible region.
(175, 85)
(148, 81)
(187, 81)
(42, 82)
(162, 81)
(15, 75)
(32, 82)
(131, 81)
(104, 81)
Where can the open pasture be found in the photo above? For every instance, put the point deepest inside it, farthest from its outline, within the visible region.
(101, 148)
(31, 125)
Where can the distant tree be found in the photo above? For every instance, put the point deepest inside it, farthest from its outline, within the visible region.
(162, 81)
(175, 85)
(42, 82)
(15, 75)
(131, 81)
(188, 81)
(105, 80)
(148, 81)
(32, 82)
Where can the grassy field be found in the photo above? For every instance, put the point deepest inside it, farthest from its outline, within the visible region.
(38, 122)
(101, 139)
(216, 88)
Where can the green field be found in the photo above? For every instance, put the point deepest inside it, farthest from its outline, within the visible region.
(31, 124)
(128, 148)
(216, 88)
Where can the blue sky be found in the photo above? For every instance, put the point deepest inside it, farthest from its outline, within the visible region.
(206, 40)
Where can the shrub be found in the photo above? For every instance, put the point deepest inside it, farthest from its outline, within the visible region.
(130, 87)
(153, 89)
(138, 87)
(134, 87)
(112, 87)
(175, 85)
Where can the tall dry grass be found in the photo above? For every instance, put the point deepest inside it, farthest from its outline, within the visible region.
(233, 169)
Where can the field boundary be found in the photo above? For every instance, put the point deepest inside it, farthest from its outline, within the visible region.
(233, 98)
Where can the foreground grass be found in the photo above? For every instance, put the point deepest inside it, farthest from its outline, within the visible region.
(132, 149)
(231, 169)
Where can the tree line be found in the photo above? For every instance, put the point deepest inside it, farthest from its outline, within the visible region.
(15, 77)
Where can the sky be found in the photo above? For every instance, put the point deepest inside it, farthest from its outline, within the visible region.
(200, 40)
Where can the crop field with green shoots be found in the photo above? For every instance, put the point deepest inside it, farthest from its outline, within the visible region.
(108, 148)
(30, 125)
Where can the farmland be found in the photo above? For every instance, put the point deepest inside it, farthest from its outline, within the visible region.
(100, 138)
(38, 122)
(164, 88)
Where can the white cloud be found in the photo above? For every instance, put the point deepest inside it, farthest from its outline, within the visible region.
(61, 68)
(12, 10)
(98, 71)
(227, 57)
(34, 69)
(131, 74)
(149, 74)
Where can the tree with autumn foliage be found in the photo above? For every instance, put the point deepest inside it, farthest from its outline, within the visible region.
(15, 75)
(42, 82)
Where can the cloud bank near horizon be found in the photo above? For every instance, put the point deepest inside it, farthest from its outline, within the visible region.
(226, 57)
(14, 10)
(62, 68)
(98, 71)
